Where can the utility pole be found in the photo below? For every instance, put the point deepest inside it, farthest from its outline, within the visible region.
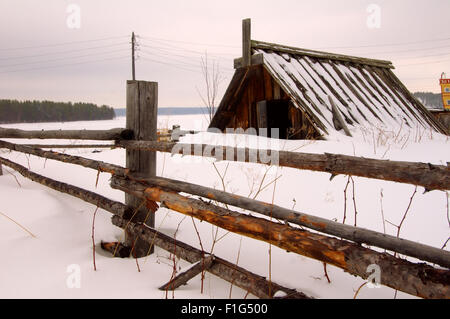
(133, 47)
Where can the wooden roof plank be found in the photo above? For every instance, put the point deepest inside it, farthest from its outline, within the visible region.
(320, 54)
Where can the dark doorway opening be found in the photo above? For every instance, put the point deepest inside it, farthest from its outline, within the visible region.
(273, 114)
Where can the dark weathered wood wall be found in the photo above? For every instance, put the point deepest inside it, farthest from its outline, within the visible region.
(250, 86)
(239, 105)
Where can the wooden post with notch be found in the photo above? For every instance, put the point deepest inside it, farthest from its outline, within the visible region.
(141, 117)
(246, 43)
(133, 48)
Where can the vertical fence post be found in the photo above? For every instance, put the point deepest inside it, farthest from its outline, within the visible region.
(142, 108)
(246, 43)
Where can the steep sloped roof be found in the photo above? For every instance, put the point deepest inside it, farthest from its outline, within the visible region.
(365, 91)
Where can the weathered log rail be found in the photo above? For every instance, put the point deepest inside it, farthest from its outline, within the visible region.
(418, 279)
(346, 253)
(98, 135)
(355, 234)
(124, 218)
(430, 176)
(255, 284)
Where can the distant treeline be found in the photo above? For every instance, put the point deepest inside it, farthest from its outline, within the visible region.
(430, 100)
(13, 111)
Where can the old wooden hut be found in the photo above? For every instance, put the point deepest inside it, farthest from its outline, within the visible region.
(310, 94)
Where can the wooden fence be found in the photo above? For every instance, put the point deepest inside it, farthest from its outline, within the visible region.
(328, 242)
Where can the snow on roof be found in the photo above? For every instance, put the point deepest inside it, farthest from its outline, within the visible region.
(365, 91)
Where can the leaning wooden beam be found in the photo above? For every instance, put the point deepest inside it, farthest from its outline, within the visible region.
(87, 196)
(77, 160)
(101, 135)
(182, 278)
(337, 115)
(238, 276)
(417, 279)
(356, 234)
(430, 176)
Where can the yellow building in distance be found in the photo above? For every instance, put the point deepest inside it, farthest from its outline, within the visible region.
(445, 91)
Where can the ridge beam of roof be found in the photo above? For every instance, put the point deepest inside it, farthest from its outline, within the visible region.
(319, 54)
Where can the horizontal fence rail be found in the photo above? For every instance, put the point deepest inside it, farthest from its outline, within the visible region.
(71, 145)
(356, 234)
(125, 218)
(430, 176)
(100, 135)
(416, 279)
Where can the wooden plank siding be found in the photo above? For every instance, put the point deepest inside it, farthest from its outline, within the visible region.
(238, 108)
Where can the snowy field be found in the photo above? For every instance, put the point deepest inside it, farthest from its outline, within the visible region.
(42, 266)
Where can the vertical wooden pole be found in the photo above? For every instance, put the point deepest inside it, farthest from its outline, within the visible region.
(142, 109)
(246, 43)
(133, 47)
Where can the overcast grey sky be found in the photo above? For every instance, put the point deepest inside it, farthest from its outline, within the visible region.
(43, 56)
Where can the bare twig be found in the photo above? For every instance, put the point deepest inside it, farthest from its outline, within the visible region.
(354, 199)
(267, 185)
(357, 291)
(326, 272)
(203, 254)
(270, 246)
(93, 239)
(13, 175)
(7, 217)
(96, 180)
(445, 244)
(237, 262)
(382, 211)
(174, 267)
(262, 181)
(406, 212)
(222, 177)
(212, 79)
(345, 200)
(448, 212)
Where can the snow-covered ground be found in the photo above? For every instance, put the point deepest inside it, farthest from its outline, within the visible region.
(46, 266)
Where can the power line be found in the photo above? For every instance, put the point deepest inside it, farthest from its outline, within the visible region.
(386, 44)
(176, 62)
(171, 65)
(172, 57)
(64, 65)
(191, 43)
(61, 43)
(62, 52)
(183, 49)
(62, 58)
(152, 55)
(422, 63)
(409, 50)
